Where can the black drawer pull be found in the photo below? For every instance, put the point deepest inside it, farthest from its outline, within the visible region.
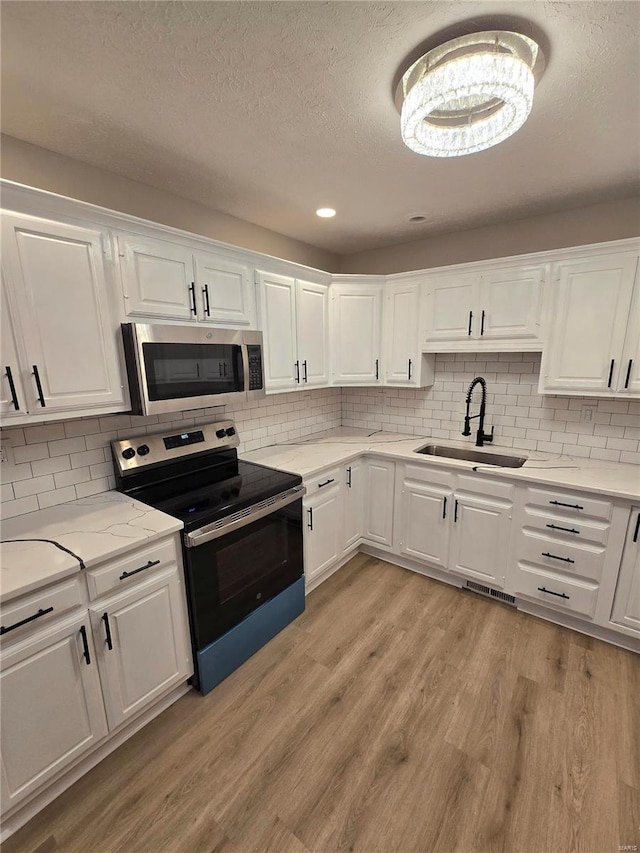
(107, 630)
(613, 361)
(22, 622)
(455, 511)
(482, 325)
(12, 388)
(377, 369)
(553, 557)
(297, 367)
(410, 366)
(141, 569)
(444, 507)
(192, 297)
(326, 483)
(207, 307)
(571, 506)
(310, 511)
(349, 478)
(470, 319)
(304, 368)
(566, 529)
(626, 381)
(637, 530)
(85, 645)
(39, 386)
(551, 592)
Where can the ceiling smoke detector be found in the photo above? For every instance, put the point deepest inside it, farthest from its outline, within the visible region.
(469, 93)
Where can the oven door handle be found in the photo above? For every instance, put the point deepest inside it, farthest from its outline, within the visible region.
(242, 518)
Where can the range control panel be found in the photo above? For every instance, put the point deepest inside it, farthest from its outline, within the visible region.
(132, 454)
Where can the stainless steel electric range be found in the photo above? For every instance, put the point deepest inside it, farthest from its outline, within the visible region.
(242, 538)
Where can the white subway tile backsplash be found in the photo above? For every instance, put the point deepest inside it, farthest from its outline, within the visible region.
(30, 453)
(45, 432)
(66, 445)
(70, 478)
(50, 466)
(87, 457)
(19, 507)
(57, 496)
(34, 486)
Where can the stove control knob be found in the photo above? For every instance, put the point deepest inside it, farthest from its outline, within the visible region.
(230, 431)
(128, 453)
(220, 433)
(143, 449)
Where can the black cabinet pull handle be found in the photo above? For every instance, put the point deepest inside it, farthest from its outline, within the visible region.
(326, 483)
(637, 530)
(107, 630)
(482, 324)
(207, 307)
(455, 511)
(444, 508)
(566, 529)
(12, 388)
(304, 368)
(141, 569)
(551, 592)
(85, 645)
(613, 361)
(192, 293)
(626, 381)
(349, 480)
(554, 557)
(38, 385)
(410, 363)
(297, 367)
(470, 319)
(22, 622)
(310, 524)
(571, 506)
(377, 369)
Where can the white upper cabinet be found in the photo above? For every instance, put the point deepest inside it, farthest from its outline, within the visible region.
(592, 333)
(404, 364)
(56, 283)
(294, 322)
(12, 398)
(356, 339)
(484, 309)
(172, 281)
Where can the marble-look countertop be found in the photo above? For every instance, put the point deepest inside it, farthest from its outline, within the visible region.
(311, 455)
(92, 530)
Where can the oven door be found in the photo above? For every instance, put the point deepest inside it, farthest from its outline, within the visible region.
(241, 563)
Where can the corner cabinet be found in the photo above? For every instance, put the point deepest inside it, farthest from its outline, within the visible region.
(356, 314)
(404, 364)
(175, 281)
(593, 346)
(61, 346)
(626, 604)
(294, 318)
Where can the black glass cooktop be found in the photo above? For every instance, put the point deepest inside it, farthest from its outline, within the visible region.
(201, 496)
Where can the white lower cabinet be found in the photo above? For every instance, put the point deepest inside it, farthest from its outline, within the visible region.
(626, 604)
(143, 643)
(353, 504)
(480, 541)
(425, 504)
(52, 709)
(323, 523)
(378, 513)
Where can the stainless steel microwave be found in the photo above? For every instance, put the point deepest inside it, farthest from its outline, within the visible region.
(172, 368)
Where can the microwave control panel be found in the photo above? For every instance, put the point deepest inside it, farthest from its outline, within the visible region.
(254, 353)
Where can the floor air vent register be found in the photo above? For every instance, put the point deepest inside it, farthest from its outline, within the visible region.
(491, 593)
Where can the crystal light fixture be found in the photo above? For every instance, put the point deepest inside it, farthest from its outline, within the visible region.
(469, 93)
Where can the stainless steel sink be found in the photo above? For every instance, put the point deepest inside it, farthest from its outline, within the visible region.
(470, 455)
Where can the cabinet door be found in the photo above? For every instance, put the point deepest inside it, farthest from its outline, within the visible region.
(13, 403)
(353, 503)
(426, 515)
(629, 374)
(378, 512)
(312, 309)
(278, 313)
(323, 532)
(452, 314)
(510, 303)
(56, 276)
(224, 289)
(157, 278)
(480, 539)
(143, 644)
(626, 604)
(52, 709)
(592, 299)
(401, 327)
(357, 314)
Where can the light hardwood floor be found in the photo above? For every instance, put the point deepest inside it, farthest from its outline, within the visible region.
(396, 714)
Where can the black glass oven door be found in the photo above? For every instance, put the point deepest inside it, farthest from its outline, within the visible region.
(231, 576)
(176, 371)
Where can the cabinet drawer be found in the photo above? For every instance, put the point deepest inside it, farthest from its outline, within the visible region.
(559, 556)
(567, 504)
(329, 479)
(39, 608)
(475, 485)
(548, 588)
(576, 530)
(427, 474)
(118, 574)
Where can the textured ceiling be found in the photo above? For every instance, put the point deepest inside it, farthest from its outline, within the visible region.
(267, 111)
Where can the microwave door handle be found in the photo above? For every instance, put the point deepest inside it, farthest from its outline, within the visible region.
(244, 352)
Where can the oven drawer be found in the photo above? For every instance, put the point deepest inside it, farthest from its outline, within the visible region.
(136, 566)
(552, 590)
(38, 609)
(560, 556)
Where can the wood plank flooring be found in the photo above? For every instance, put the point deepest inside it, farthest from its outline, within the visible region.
(396, 714)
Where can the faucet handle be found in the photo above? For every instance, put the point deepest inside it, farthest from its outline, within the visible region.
(467, 427)
(489, 437)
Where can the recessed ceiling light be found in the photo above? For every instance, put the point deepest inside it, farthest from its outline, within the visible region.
(325, 212)
(418, 218)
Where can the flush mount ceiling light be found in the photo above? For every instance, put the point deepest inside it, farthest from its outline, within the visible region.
(325, 212)
(469, 93)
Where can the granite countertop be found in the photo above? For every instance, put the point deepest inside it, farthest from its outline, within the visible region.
(92, 530)
(334, 447)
